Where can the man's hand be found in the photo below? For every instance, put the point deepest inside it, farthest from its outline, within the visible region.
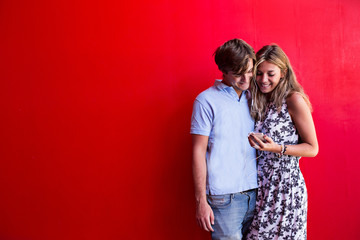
(204, 215)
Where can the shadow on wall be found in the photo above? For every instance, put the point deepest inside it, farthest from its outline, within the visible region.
(175, 206)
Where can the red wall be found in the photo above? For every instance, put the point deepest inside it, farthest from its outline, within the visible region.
(96, 99)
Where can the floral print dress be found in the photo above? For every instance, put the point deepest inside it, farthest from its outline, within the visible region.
(281, 205)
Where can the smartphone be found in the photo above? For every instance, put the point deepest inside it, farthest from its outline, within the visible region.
(260, 136)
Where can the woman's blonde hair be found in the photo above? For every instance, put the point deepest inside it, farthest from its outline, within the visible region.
(286, 87)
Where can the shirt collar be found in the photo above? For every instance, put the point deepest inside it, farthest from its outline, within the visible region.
(222, 86)
(219, 85)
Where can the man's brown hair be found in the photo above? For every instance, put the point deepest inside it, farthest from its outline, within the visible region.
(234, 55)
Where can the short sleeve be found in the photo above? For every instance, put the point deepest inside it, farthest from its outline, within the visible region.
(201, 119)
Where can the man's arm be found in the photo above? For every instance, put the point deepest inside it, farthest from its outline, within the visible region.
(204, 213)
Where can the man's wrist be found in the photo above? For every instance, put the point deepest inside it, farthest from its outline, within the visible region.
(200, 200)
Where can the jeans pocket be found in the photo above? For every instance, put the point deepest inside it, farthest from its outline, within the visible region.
(219, 201)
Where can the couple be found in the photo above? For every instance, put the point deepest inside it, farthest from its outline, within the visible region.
(241, 194)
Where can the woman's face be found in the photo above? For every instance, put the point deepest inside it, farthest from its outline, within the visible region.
(268, 77)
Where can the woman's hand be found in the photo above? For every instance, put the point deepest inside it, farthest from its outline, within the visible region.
(269, 145)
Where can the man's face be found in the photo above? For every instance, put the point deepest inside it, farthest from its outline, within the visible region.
(239, 82)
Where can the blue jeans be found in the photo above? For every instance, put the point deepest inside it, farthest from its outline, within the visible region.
(233, 214)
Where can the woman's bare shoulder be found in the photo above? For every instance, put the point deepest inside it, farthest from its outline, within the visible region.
(296, 102)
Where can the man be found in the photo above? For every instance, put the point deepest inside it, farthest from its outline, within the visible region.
(224, 164)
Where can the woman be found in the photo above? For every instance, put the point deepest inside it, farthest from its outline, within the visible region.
(283, 114)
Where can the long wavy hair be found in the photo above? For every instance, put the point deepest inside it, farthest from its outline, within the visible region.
(286, 87)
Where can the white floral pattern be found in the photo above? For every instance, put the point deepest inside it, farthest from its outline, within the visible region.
(281, 205)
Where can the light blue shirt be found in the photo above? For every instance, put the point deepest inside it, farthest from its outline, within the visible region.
(231, 161)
